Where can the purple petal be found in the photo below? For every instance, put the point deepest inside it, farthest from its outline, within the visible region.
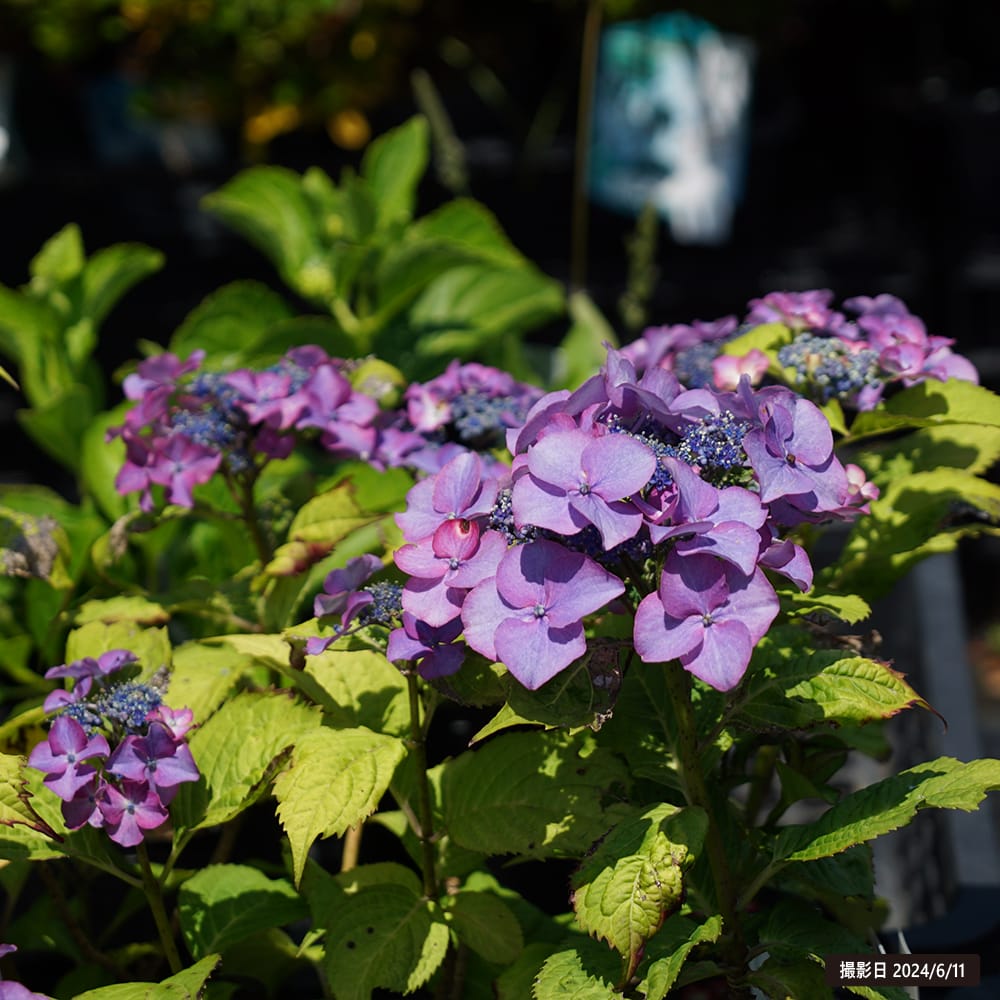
(721, 660)
(535, 652)
(692, 585)
(660, 638)
(617, 466)
(482, 613)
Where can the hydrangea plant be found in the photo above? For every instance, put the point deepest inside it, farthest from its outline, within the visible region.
(293, 561)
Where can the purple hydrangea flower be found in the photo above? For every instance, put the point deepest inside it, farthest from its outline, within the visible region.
(131, 810)
(706, 614)
(63, 756)
(9, 990)
(530, 614)
(434, 650)
(157, 758)
(457, 491)
(574, 479)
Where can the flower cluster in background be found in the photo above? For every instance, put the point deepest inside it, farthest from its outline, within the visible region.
(632, 494)
(852, 356)
(115, 753)
(188, 423)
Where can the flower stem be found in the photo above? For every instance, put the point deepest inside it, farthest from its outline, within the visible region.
(696, 793)
(352, 848)
(154, 896)
(425, 832)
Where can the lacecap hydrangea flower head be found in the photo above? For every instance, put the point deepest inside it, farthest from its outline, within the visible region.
(631, 496)
(115, 753)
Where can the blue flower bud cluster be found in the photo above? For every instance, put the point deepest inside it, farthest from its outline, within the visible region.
(827, 367)
(715, 446)
(481, 420)
(501, 519)
(386, 606)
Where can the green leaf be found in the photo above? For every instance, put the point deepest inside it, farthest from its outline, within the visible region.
(15, 799)
(365, 687)
(188, 984)
(485, 924)
(222, 904)
(767, 337)
(793, 929)
(844, 607)
(336, 779)
(634, 879)
(800, 981)
(915, 516)
(110, 273)
(788, 686)
(27, 328)
(393, 165)
(470, 305)
(234, 751)
(930, 403)
(203, 676)
(670, 948)
(58, 425)
(385, 936)
(944, 783)
(268, 206)
(60, 260)
(516, 981)
(228, 324)
(136, 609)
(530, 793)
(582, 351)
(972, 447)
(584, 695)
(100, 461)
(468, 226)
(586, 970)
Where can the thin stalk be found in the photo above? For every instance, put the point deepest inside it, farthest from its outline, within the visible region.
(154, 896)
(352, 848)
(696, 793)
(249, 510)
(425, 831)
(584, 109)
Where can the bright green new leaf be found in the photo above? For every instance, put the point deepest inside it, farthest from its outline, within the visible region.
(517, 980)
(393, 165)
(189, 984)
(971, 447)
(223, 904)
(385, 936)
(585, 970)
(336, 779)
(123, 608)
(468, 226)
(915, 516)
(767, 337)
(203, 676)
(944, 783)
(365, 687)
(530, 793)
(844, 607)
(235, 750)
(634, 879)
(485, 924)
(670, 948)
(228, 324)
(929, 403)
(790, 686)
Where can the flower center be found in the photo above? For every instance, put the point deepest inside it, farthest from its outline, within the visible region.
(538, 610)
